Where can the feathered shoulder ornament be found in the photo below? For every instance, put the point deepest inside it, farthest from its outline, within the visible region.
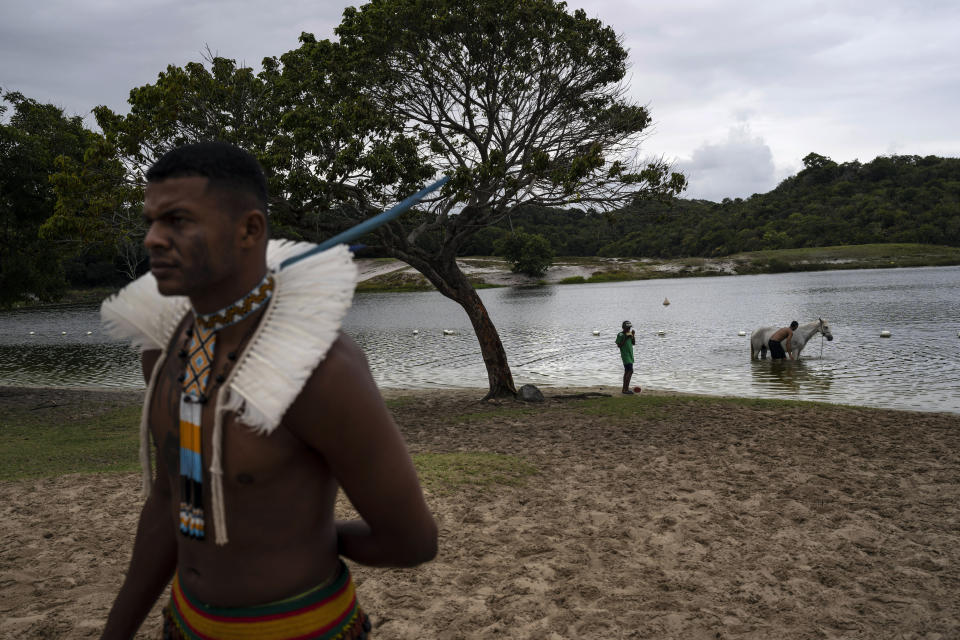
(298, 327)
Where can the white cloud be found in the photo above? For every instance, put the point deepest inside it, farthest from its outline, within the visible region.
(738, 166)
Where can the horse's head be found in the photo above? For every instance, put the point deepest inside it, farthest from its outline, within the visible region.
(824, 329)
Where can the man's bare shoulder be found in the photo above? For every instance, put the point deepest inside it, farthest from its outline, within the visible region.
(340, 384)
(344, 365)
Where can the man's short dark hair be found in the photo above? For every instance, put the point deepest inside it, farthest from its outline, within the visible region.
(794, 324)
(229, 169)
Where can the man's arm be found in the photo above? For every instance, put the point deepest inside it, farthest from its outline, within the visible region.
(342, 415)
(154, 553)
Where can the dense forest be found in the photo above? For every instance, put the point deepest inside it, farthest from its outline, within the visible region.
(890, 199)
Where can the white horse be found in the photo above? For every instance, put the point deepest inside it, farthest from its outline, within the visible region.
(760, 337)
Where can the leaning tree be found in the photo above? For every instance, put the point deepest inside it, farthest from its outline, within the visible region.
(520, 101)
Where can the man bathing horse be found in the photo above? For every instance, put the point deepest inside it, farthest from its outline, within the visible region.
(785, 342)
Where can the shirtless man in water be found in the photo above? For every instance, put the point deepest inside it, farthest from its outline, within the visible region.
(204, 207)
(776, 348)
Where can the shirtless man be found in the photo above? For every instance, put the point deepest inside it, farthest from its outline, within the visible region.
(204, 206)
(776, 349)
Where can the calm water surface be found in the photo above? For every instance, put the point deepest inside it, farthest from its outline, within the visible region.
(548, 335)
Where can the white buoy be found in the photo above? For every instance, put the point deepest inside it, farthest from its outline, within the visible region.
(448, 332)
(661, 332)
(33, 333)
(884, 334)
(596, 332)
(666, 302)
(63, 333)
(89, 333)
(416, 331)
(741, 333)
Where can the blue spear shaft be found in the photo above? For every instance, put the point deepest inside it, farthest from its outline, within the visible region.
(367, 225)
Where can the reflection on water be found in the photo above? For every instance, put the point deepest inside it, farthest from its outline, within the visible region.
(63, 346)
(792, 378)
(548, 335)
(70, 365)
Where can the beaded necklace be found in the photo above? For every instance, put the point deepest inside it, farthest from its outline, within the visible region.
(197, 353)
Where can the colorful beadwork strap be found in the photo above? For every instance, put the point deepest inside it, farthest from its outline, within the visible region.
(196, 382)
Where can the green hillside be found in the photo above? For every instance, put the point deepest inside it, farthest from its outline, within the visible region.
(895, 199)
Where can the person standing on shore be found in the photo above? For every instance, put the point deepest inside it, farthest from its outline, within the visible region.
(260, 409)
(774, 343)
(625, 341)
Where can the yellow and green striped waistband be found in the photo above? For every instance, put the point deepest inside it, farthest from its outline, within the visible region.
(327, 612)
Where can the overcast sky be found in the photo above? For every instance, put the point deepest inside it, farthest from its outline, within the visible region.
(740, 91)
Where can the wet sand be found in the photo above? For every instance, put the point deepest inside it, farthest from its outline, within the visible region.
(693, 519)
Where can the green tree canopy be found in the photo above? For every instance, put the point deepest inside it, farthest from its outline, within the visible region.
(528, 253)
(31, 141)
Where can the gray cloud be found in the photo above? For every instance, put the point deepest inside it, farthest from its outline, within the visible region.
(849, 79)
(79, 55)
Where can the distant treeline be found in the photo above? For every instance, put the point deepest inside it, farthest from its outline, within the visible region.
(909, 199)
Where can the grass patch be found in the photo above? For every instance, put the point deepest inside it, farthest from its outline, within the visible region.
(403, 281)
(47, 442)
(573, 280)
(485, 262)
(505, 412)
(479, 469)
(94, 295)
(400, 402)
(659, 407)
(478, 283)
(617, 275)
(395, 282)
(863, 256)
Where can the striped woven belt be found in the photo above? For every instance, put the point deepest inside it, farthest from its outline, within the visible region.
(328, 612)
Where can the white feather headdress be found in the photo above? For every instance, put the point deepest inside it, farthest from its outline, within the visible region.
(299, 326)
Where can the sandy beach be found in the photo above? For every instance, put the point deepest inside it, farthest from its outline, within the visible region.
(587, 517)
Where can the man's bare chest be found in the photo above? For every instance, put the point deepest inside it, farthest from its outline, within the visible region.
(246, 455)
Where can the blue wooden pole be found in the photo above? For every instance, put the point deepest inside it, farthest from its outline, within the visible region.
(367, 225)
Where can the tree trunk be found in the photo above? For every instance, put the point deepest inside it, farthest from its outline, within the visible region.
(446, 276)
(494, 356)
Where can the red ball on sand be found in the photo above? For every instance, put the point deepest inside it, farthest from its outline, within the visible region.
(636, 389)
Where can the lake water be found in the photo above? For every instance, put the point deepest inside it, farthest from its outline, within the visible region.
(548, 334)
